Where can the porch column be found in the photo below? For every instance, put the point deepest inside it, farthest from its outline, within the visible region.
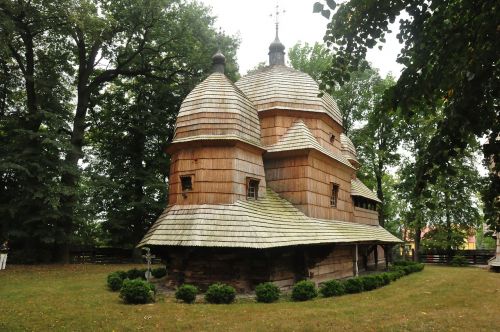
(355, 261)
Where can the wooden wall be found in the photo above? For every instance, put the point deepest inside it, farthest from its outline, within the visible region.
(219, 174)
(365, 216)
(275, 124)
(306, 180)
(246, 268)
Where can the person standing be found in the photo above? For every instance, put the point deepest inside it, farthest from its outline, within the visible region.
(4, 249)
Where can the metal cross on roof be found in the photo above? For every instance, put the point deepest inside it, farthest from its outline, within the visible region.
(276, 17)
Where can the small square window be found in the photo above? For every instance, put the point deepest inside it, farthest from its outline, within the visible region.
(335, 195)
(253, 189)
(332, 138)
(186, 183)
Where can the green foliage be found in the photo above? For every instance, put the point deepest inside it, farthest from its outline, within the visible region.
(304, 290)
(267, 292)
(159, 272)
(220, 294)
(312, 60)
(332, 288)
(136, 273)
(137, 291)
(459, 260)
(115, 281)
(370, 282)
(353, 285)
(186, 293)
(450, 78)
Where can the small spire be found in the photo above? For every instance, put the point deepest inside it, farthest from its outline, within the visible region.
(276, 49)
(218, 59)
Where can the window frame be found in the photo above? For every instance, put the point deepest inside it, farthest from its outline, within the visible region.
(256, 193)
(334, 194)
(191, 180)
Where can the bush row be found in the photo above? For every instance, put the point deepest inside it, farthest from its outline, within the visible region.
(139, 291)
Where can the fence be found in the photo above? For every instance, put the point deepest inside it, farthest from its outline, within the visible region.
(480, 257)
(107, 256)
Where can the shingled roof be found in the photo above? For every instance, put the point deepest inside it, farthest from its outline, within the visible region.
(299, 137)
(267, 222)
(358, 188)
(281, 87)
(348, 149)
(216, 107)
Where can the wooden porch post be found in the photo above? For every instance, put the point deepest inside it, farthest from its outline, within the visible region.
(355, 261)
(386, 256)
(375, 256)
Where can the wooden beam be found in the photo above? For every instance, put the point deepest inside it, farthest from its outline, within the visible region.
(355, 261)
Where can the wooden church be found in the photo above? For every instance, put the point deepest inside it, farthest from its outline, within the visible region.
(263, 185)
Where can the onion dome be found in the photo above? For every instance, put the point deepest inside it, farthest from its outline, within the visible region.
(276, 52)
(348, 150)
(217, 110)
(284, 88)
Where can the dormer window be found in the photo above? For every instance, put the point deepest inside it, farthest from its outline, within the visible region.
(252, 188)
(186, 183)
(335, 195)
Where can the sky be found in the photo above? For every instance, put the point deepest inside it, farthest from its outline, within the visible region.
(251, 20)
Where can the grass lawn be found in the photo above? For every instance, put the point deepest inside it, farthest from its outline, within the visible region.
(75, 298)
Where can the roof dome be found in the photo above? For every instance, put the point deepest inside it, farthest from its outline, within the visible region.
(348, 149)
(281, 87)
(217, 109)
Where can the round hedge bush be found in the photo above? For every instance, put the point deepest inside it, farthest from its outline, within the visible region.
(137, 291)
(332, 288)
(304, 290)
(186, 293)
(220, 293)
(136, 274)
(267, 292)
(159, 272)
(354, 285)
(115, 281)
(386, 279)
(370, 282)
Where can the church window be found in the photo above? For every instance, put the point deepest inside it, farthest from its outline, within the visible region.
(253, 188)
(335, 195)
(186, 182)
(332, 138)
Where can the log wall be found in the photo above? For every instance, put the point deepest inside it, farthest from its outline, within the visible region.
(365, 216)
(219, 174)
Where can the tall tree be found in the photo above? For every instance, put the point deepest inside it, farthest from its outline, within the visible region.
(450, 53)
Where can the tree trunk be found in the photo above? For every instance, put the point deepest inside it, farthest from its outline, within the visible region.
(380, 193)
(448, 225)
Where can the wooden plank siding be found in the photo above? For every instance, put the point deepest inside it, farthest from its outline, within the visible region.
(219, 174)
(365, 216)
(274, 126)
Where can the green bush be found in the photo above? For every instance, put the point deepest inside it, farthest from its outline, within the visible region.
(304, 290)
(136, 274)
(137, 291)
(115, 281)
(370, 282)
(386, 279)
(159, 272)
(459, 260)
(267, 292)
(404, 263)
(332, 288)
(186, 293)
(354, 285)
(220, 293)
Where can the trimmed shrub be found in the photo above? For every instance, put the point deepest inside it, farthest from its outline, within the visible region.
(386, 279)
(403, 263)
(220, 293)
(332, 288)
(186, 293)
(136, 274)
(159, 272)
(370, 282)
(267, 292)
(304, 290)
(137, 291)
(354, 285)
(115, 281)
